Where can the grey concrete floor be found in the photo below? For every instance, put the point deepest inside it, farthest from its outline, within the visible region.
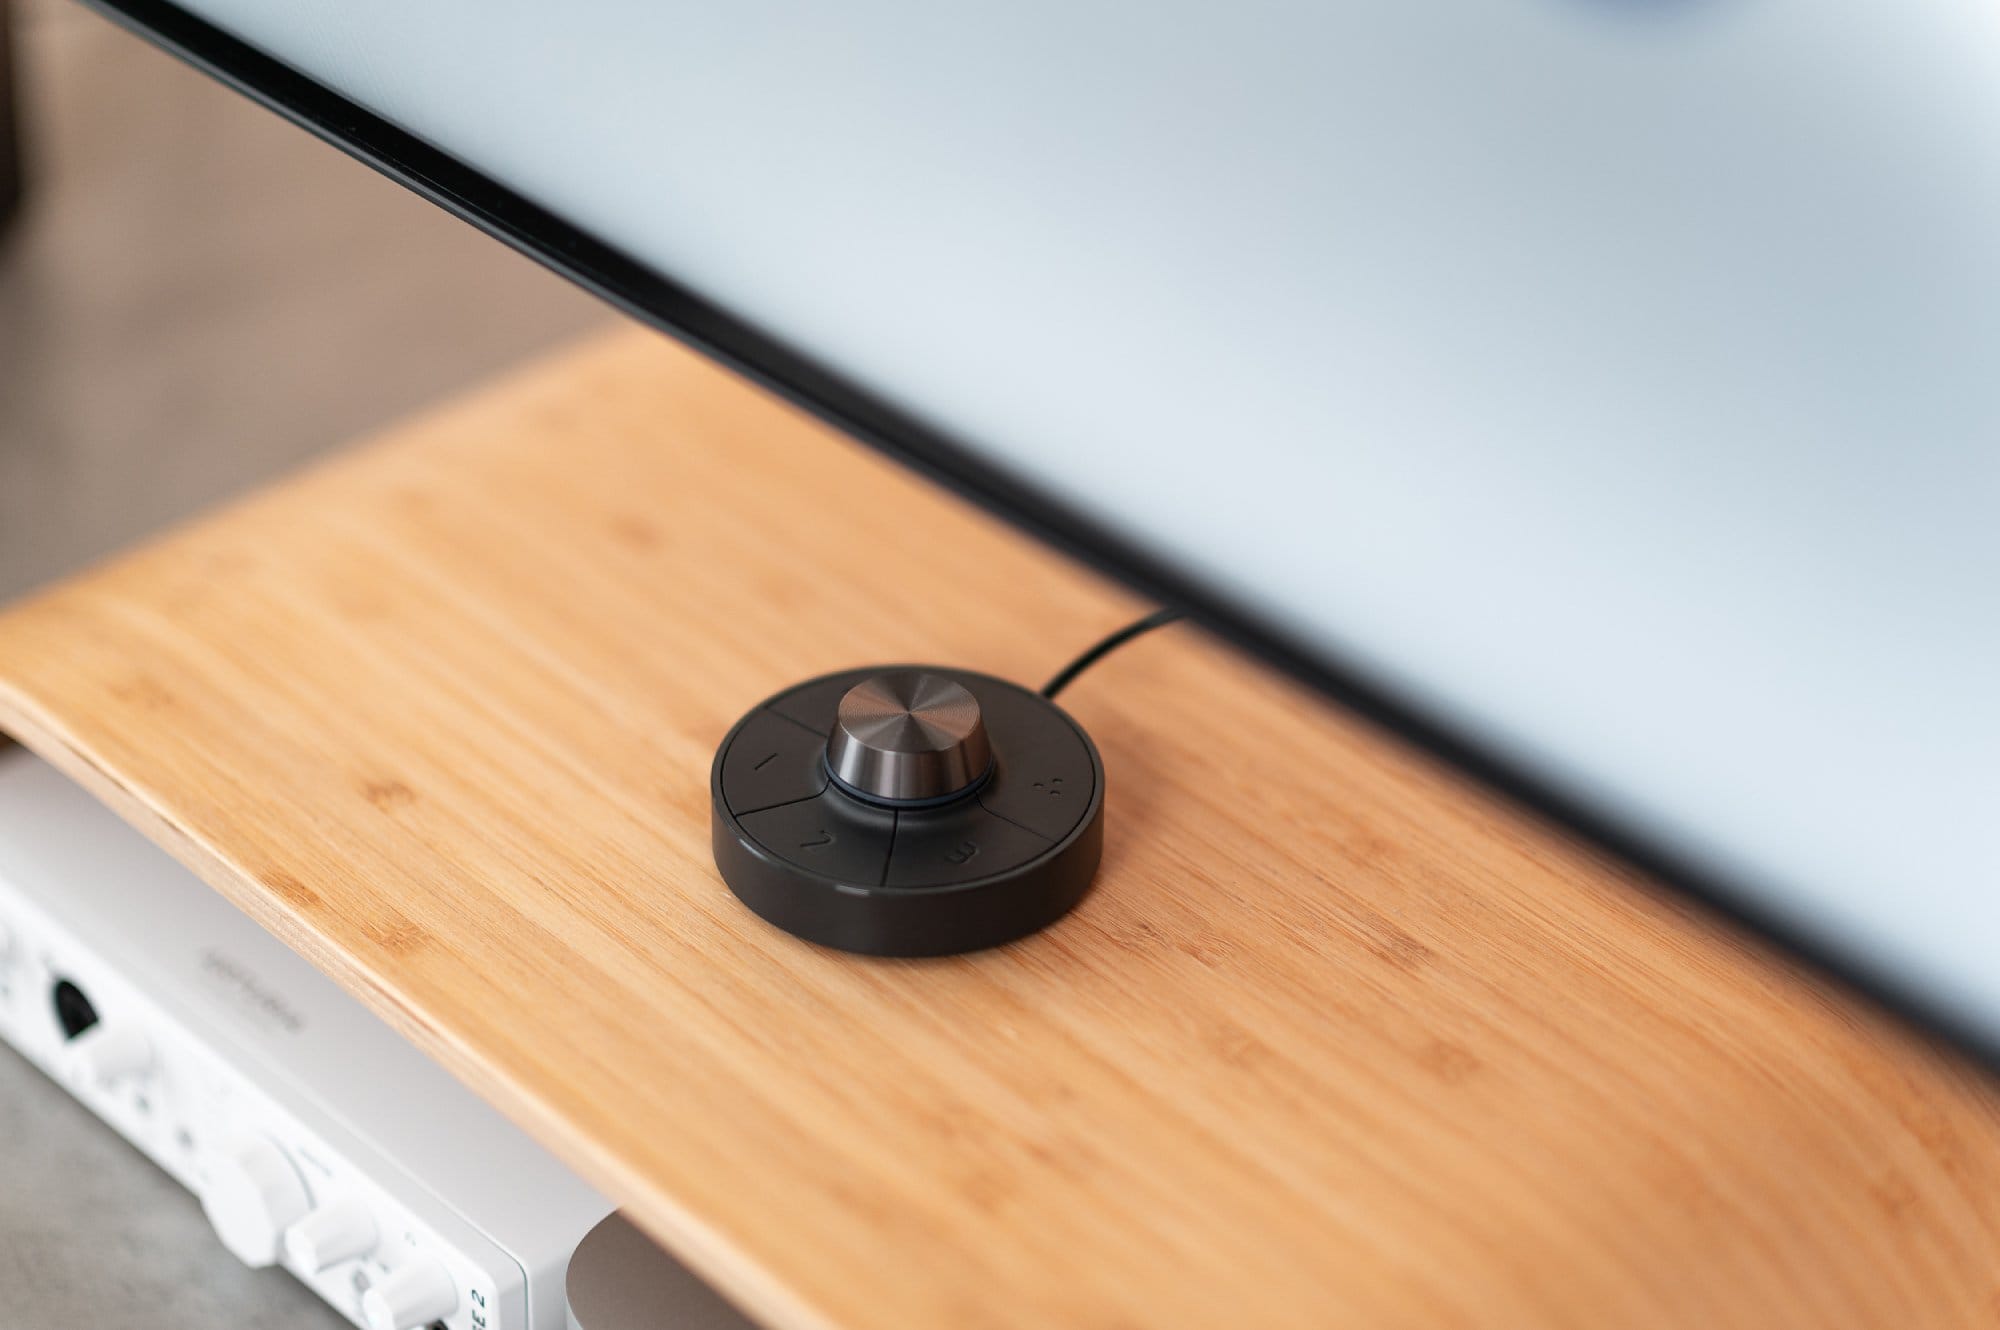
(93, 1237)
(197, 298)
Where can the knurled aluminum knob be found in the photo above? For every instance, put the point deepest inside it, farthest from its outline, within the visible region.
(908, 736)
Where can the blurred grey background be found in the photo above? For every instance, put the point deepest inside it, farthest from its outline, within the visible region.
(194, 298)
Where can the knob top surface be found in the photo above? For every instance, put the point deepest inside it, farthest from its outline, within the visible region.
(342, 1231)
(414, 1294)
(908, 736)
(105, 1054)
(252, 1195)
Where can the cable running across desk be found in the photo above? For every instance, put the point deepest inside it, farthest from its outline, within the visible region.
(1067, 676)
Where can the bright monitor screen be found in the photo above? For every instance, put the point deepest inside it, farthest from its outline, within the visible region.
(1605, 392)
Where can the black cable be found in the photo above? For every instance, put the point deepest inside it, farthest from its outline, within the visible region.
(1157, 619)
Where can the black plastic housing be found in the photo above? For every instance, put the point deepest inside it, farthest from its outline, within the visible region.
(809, 864)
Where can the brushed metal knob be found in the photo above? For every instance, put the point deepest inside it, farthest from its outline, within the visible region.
(908, 736)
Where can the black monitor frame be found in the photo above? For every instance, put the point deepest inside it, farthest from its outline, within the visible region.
(656, 299)
(10, 125)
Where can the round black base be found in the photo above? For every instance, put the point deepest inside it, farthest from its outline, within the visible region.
(1010, 856)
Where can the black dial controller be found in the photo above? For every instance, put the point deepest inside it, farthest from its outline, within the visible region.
(908, 811)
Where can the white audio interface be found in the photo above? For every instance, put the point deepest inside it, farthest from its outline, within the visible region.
(316, 1137)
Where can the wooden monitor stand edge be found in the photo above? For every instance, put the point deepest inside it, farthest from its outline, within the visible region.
(1337, 1038)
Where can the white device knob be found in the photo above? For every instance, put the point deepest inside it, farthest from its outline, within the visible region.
(414, 1294)
(252, 1195)
(343, 1231)
(106, 1053)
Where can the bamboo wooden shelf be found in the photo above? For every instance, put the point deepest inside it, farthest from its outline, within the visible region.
(1338, 1040)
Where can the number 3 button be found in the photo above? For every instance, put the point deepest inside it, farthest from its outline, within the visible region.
(958, 844)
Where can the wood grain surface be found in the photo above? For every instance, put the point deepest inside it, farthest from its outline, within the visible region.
(1338, 1039)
